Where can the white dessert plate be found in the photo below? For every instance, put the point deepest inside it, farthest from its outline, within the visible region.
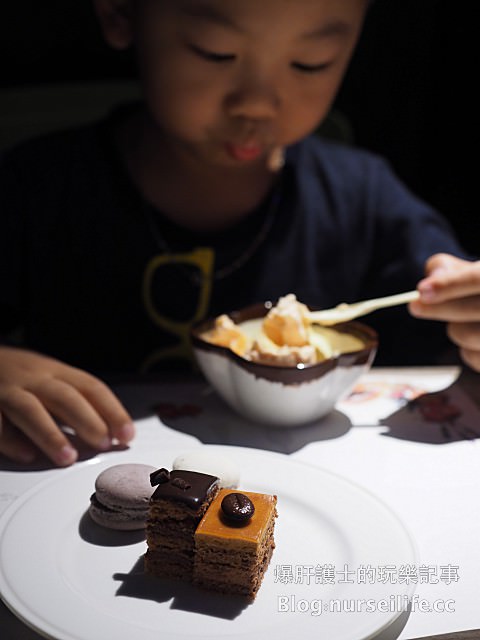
(336, 543)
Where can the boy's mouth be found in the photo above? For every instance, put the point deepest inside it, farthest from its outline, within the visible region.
(244, 152)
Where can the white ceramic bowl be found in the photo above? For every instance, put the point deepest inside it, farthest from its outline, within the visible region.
(281, 396)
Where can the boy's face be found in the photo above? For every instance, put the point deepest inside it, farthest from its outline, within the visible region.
(228, 80)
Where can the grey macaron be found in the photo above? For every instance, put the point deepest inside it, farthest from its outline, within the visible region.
(121, 498)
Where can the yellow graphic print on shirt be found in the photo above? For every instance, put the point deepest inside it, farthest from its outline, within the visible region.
(201, 258)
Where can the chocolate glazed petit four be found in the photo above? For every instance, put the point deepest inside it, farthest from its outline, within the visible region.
(176, 507)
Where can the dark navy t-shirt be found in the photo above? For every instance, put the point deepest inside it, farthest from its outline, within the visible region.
(95, 276)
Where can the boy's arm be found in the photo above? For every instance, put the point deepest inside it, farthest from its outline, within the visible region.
(451, 292)
(36, 390)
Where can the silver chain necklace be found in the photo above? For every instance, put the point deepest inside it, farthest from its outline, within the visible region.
(237, 263)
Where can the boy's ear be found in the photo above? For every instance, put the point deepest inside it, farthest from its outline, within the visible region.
(115, 17)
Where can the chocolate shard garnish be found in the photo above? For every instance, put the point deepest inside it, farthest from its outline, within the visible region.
(159, 477)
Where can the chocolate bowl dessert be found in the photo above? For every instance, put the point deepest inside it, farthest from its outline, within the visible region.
(268, 369)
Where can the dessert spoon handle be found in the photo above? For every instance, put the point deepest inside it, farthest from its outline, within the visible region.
(345, 312)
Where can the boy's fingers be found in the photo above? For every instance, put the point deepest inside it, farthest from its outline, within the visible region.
(449, 277)
(26, 412)
(443, 262)
(456, 310)
(68, 405)
(14, 445)
(465, 334)
(471, 357)
(105, 402)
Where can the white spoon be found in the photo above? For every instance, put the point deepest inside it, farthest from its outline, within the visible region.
(345, 312)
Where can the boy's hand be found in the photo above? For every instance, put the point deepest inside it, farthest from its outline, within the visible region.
(33, 388)
(451, 292)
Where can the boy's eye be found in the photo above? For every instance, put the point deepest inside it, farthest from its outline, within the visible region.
(310, 68)
(212, 56)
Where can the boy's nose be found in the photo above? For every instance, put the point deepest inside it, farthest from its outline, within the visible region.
(254, 100)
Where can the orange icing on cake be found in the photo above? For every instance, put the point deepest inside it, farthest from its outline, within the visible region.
(214, 525)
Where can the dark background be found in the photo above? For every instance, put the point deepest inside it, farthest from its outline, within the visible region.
(409, 93)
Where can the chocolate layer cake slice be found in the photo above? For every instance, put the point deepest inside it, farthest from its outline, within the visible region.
(234, 542)
(176, 507)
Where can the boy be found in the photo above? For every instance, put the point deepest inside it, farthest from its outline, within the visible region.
(116, 237)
